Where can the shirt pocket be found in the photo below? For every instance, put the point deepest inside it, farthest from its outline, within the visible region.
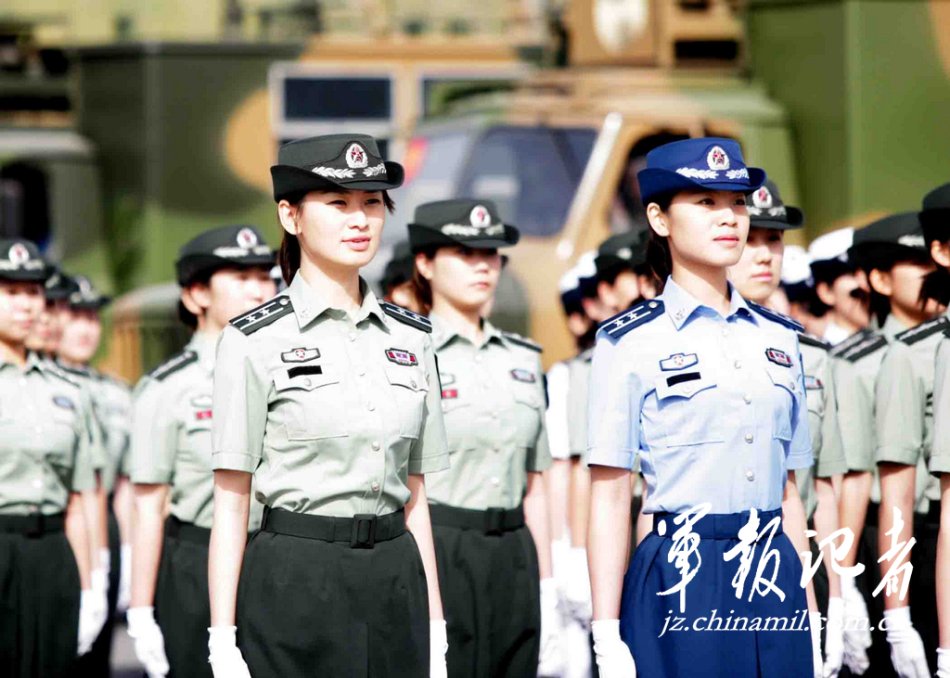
(784, 395)
(408, 388)
(316, 408)
(687, 410)
(528, 410)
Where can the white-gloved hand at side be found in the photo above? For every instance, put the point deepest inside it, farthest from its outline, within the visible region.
(834, 638)
(943, 662)
(89, 624)
(814, 627)
(551, 661)
(612, 654)
(223, 653)
(100, 598)
(125, 578)
(438, 647)
(907, 649)
(857, 627)
(577, 591)
(149, 641)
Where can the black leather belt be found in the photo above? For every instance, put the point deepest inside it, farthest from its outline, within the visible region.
(179, 529)
(33, 525)
(362, 531)
(489, 521)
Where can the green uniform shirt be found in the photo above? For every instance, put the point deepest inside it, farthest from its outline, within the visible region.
(822, 420)
(45, 426)
(904, 398)
(171, 433)
(493, 405)
(940, 456)
(331, 412)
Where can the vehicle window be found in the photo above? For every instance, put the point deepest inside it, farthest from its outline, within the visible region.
(530, 172)
(319, 98)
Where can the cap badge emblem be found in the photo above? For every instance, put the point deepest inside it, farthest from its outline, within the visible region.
(717, 159)
(247, 239)
(356, 157)
(762, 198)
(480, 217)
(18, 254)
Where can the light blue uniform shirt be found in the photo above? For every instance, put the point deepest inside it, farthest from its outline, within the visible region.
(714, 406)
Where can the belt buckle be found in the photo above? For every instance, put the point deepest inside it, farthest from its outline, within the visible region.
(363, 531)
(494, 521)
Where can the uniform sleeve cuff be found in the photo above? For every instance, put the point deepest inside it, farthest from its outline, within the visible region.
(896, 455)
(540, 465)
(830, 469)
(939, 465)
(152, 477)
(799, 460)
(598, 456)
(428, 464)
(233, 461)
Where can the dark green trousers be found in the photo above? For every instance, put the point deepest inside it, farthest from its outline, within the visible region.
(182, 606)
(311, 608)
(491, 597)
(39, 606)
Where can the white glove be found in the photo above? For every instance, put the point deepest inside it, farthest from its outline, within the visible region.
(814, 627)
(559, 550)
(907, 649)
(577, 590)
(149, 642)
(551, 661)
(612, 654)
(834, 638)
(438, 647)
(943, 662)
(100, 599)
(224, 655)
(857, 629)
(89, 624)
(125, 578)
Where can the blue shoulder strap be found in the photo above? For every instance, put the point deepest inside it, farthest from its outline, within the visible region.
(637, 315)
(776, 317)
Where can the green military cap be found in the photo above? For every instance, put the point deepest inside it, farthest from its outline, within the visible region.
(621, 251)
(58, 286)
(399, 268)
(86, 296)
(225, 247)
(935, 215)
(896, 237)
(460, 221)
(20, 260)
(333, 161)
(766, 209)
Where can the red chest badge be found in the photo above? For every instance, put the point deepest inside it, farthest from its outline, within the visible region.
(401, 357)
(778, 357)
(450, 393)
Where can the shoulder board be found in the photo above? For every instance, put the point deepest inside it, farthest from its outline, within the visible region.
(858, 337)
(637, 315)
(522, 341)
(404, 315)
(923, 330)
(263, 315)
(776, 317)
(872, 342)
(173, 364)
(809, 340)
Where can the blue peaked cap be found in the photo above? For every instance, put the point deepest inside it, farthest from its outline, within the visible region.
(709, 163)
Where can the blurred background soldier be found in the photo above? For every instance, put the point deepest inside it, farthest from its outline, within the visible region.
(839, 285)
(396, 283)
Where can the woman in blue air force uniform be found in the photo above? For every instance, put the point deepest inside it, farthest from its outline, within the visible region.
(707, 389)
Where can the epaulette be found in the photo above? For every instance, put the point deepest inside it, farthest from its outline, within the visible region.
(872, 342)
(776, 317)
(809, 340)
(522, 341)
(173, 364)
(263, 315)
(404, 315)
(841, 348)
(637, 315)
(923, 330)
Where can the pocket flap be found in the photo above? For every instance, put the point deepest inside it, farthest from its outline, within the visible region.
(783, 376)
(412, 378)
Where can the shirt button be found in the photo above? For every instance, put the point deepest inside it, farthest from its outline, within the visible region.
(37, 484)
(376, 445)
(495, 450)
(413, 383)
(370, 406)
(750, 475)
(375, 487)
(307, 382)
(351, 336)
(737, 364)
(725, 331)
(495, 481)
(747, 398)
(749, 438)
(478, 358)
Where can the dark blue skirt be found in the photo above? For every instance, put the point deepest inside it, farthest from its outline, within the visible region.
(716, 633)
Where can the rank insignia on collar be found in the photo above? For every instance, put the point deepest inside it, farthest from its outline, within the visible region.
(401, 357)
(778, 357)
(527, 376)
(450, 393)
(678, 361)
(300, 355)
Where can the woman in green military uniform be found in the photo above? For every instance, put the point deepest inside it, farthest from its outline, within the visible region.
(489, 511)
(223, 272)
(331, 398)
(44, 464)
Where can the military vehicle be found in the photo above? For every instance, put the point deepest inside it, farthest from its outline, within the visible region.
(172, 127)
